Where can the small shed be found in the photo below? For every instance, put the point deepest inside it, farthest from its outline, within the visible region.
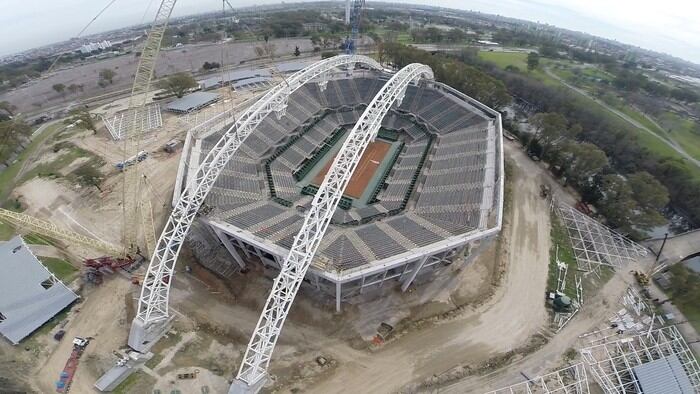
(192, 102)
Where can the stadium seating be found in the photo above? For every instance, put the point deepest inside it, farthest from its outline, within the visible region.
(439, 167)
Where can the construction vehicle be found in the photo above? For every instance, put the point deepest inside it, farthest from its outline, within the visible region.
(641, 278)
(545, 190)
(559, 301)
(139, 157)
(95, 269)
(171, 146)
(188, 375)
(66, 377)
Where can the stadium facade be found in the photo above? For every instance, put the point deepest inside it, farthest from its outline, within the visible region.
(427, 191)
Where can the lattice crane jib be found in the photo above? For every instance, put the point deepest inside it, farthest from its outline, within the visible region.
(153, 301)
(50, 230)
(306, 242)
(132, 140)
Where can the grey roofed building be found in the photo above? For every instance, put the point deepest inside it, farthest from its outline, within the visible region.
(233, 76)
(192, 102)
(251, 81)
(663, 376)
(30, 295)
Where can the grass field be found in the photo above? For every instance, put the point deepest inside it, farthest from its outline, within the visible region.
(685, 293)
(36, 239)
(505, 59)
(684, 131)
(62, 269)
(7, 182)
(401, 37)
(561, 245)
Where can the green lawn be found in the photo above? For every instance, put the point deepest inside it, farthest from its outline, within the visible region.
(505, 59)
(7, 177)
(684, 131)
(562, 244)
(6, 231)
(36, 239)
(62, 269)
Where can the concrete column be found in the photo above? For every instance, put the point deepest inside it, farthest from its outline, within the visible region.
(338, 295)
(229, 246)
(414, 273)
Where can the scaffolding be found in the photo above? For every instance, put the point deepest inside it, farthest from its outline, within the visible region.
(148, 119)
(569, 380)
(615, 365)
(594, 244)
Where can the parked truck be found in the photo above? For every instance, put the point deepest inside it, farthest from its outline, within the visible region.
(66, 377)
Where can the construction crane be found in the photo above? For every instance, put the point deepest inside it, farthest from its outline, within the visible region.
(355, 16)
(52, 231)
(132, 206)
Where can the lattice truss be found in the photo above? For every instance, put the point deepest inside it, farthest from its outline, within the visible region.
(595, 244)
(153, 301)
(569, 380)
(612, 363)
(146, 119)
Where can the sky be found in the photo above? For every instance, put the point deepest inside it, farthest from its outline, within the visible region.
(671, 26)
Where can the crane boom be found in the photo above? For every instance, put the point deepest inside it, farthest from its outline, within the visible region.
(132, 140)
(50, 230)
(259, 352)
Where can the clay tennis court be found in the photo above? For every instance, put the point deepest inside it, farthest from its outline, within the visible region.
(370, 161)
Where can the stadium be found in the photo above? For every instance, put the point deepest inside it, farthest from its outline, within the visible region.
(427, 190)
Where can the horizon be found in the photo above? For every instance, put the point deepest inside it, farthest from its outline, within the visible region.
(682, 41)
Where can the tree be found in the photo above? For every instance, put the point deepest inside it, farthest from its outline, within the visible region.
(178, 83)
(82, 119)
(8, 107)
(648, 191)
(107, 75)
(616, 202)
(550, 127)
(73, 88)
(533, 60)
(581, 161)
(297, 52)
(59, 88)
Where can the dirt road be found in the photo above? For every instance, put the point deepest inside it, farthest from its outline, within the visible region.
(101, 315)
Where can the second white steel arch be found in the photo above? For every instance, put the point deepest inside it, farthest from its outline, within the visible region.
(306, 242)
(153, 300)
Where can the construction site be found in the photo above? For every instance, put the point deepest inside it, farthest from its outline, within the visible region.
(320, 225)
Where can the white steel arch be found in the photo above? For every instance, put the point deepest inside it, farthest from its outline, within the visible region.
(153, 311)
(306, 242)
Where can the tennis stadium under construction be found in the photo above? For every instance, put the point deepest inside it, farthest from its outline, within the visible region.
(427, 190)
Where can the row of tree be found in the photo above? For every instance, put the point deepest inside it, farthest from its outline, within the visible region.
(615, 137)
(455, 73)
(631, 202)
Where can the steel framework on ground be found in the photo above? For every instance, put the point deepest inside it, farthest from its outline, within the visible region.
(595, 244)
(568, 380)
(612, 363)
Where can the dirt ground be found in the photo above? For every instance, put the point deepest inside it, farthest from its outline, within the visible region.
(98, 213)
(461, 318)
(39, 94)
